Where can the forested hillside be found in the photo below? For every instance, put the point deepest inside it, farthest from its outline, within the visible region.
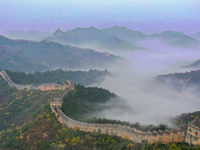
(28, 56)
(190, 78)
(183, 119)
(17, 106)
(28, 123)
(58, 76)
(84, 101)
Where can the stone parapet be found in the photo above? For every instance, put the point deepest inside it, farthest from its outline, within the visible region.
(121, 130)
(112, 129)
(18, 86)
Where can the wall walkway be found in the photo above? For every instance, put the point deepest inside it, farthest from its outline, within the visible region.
(11, 83)
(119, 130)
(109, 129)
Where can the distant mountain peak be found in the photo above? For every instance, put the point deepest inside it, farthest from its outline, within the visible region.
(58, 32)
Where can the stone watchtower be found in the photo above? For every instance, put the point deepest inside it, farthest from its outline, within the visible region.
(56, 102)
(68, 85)
(193, 132)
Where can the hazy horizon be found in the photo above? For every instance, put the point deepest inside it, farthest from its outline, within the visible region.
(185, 26)
(47, 16)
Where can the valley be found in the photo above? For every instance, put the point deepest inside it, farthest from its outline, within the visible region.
(13, 143)
(74, 83)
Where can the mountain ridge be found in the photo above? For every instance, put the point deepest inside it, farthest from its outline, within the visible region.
(92, 36)
(55, 55)
(177, 39)
(124, 33)
(26, 35)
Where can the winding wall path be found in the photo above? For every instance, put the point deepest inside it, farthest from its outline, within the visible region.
(18, 86)
(109, 129)
(117, 130)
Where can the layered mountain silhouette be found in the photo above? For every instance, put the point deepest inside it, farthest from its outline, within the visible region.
(180, 79)
(125, 33)
(48, 55)
(177, 39)
(195, 65)
(29, 35)
(119, 38)
(186, 26)
(92, 37)
(198, 35)
(113, 38)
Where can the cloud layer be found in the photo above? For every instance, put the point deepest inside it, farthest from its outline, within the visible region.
(151, 102)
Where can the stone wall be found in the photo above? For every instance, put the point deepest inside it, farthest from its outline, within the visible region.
(10, 82)
(6, 77)
(68, 85)
(120, 130)
(43, 87)
(47, 87)
(109, 129)
(192, 134)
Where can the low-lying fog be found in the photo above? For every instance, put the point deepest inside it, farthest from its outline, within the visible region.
(150, 102)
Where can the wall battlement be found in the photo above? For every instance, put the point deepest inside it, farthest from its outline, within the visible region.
(43, 87)
(193, 132)
(11, 83)
(167, 136)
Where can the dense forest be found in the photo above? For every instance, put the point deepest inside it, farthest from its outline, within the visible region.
(59, 76)
(83, 102)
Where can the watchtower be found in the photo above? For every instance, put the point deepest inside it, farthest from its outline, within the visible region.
(56, 101)
(68, 85)
(193, 132)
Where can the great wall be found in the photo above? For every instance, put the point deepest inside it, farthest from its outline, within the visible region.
(43, 87)
(191, 135)
(116, 130)
(10, 82)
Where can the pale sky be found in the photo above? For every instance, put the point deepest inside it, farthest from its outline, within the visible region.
(48, 15)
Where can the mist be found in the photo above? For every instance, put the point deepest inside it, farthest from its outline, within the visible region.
(133, 78)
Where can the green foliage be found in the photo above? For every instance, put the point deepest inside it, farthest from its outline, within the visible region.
(16, 106)
(183, 119)
(84, 101)
(43, 131)
(59, 76)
